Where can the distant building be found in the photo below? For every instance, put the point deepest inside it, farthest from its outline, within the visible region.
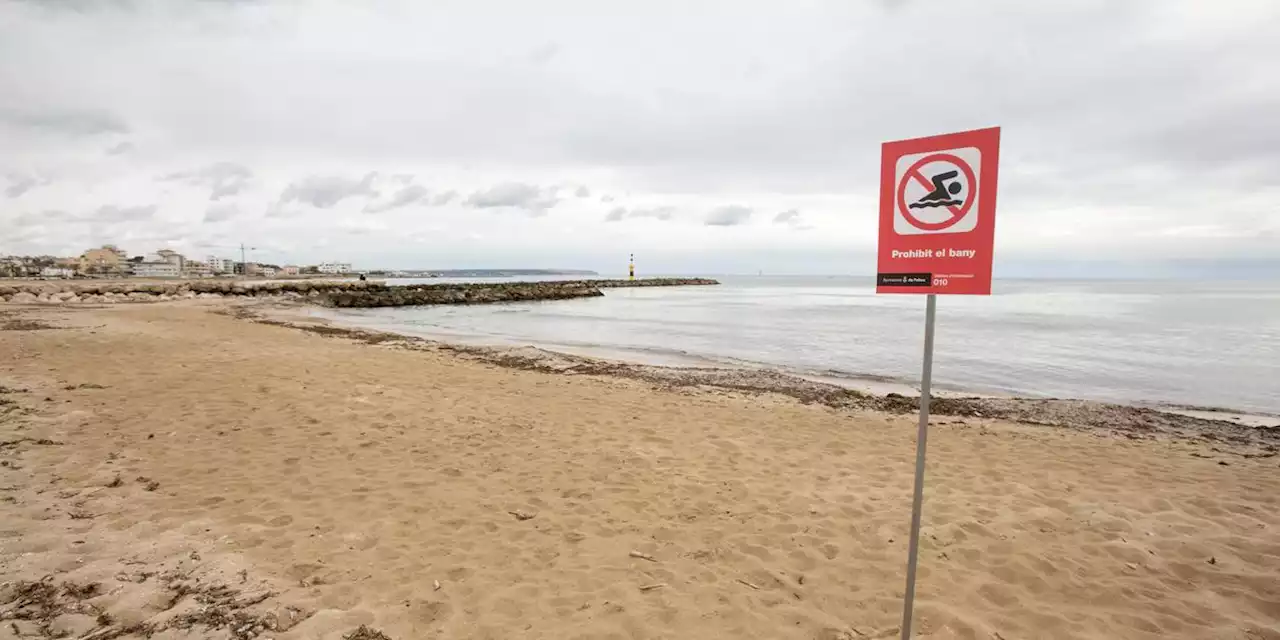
(267, 271)
(108, 259)
(172, 257)
(26, 266)
(57, 272)
(156, 269)
(290, 270)
(220, 265)
(196, 269)
(334, 267)
(11, 266)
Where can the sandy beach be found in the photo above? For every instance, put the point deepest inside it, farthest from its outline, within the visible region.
(171, 470)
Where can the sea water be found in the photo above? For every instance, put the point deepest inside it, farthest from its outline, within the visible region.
(1211, 344)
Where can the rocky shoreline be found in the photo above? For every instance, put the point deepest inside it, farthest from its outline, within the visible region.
(323, 292)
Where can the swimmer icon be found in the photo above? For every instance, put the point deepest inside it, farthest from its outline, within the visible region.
(942, 192)
(936, 192)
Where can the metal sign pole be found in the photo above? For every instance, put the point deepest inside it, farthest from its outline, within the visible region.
(922, 437)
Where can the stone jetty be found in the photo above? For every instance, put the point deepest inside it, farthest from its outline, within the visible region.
(323, 292)
(410, 295)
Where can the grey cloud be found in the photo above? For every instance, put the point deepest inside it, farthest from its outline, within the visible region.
(220, 212)
(325, 191)
(792, 219)
(279, 210)
(119, 149)
(19, 184)
(47, 216)
(79, 6)
(582, 192)
(72, 122)
(222, 178)
(444, 198)
(728, 216)
(658, 213)
(515, 195)
(507, 194)
(544, 53)
(119, 6)
(406, 196)
(1168, 109)
(112, 213)
(1114, 103)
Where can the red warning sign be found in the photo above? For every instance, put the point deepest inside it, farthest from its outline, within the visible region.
(937, 213)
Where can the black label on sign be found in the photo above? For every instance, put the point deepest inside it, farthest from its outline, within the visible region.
(904, 279)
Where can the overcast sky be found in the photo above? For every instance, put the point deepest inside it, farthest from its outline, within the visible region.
(711, 137)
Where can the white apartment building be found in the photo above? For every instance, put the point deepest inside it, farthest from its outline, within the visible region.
(334, 267)
(156, 270)
(57, 272)
(220, 265)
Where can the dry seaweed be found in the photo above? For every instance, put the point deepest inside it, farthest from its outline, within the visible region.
(365, 633)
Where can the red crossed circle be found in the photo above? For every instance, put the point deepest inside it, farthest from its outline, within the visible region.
(957, 213)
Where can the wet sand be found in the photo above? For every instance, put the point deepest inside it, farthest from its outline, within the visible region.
(284, 483)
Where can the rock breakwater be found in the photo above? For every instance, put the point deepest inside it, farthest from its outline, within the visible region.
(324, 292)
(457, 294)
(489, 292)
(652, 282)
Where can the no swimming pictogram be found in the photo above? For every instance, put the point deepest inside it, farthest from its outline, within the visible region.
(936, 192)
(951, 187)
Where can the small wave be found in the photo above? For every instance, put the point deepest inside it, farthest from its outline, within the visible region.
(939, 203)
